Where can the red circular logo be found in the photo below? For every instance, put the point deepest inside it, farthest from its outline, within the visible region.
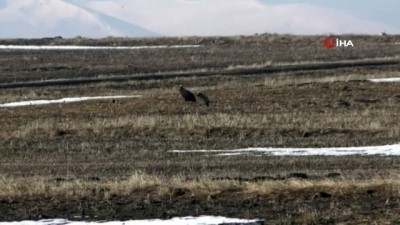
(330, 42)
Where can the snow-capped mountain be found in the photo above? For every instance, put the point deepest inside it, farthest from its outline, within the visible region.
(47, 18)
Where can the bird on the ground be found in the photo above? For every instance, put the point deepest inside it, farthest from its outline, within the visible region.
(203, 99)
(187, 95)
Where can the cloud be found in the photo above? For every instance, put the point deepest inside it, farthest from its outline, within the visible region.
(230, 17)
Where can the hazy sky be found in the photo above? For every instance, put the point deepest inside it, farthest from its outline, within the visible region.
(98, 18)
(180, 17)
(385, 11)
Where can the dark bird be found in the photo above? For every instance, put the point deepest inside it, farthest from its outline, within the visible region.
(187, 95)
(203, 99)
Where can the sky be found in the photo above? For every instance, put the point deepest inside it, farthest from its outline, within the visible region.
(138, 18)
(386, 11)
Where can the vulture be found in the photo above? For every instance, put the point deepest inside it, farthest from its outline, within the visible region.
(187, 95)
(202, 99)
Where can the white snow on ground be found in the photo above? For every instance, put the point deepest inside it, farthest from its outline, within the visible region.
(75, 47)
(63, 100)
(202, 220)
(385, 150)
(393, 79)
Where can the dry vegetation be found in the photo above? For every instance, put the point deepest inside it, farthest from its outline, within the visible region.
(160, 187)
(112, 160)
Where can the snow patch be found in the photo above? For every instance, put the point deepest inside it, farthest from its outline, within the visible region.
(63, 100)
(384, 150)
(380, 80)
(202, 220)
(75, 47)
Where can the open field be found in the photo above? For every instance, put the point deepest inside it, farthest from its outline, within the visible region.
(214, 53)
(112, 159)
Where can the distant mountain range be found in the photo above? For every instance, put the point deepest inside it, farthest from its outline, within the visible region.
(144, 18)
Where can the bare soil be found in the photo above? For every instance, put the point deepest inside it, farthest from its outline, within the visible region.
(307, 208)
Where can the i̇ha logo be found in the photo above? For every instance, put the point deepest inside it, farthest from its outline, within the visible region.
(331, 42)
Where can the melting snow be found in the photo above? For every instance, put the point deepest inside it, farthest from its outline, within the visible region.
(76, 47)
(63, 100)
(202, 220)
(340, 151)
(393, 79)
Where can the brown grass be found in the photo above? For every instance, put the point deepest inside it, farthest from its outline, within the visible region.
(160, 187)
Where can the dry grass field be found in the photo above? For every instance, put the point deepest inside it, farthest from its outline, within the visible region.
(112, 159)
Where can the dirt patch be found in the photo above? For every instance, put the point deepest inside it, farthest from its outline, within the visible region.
(317, 207)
